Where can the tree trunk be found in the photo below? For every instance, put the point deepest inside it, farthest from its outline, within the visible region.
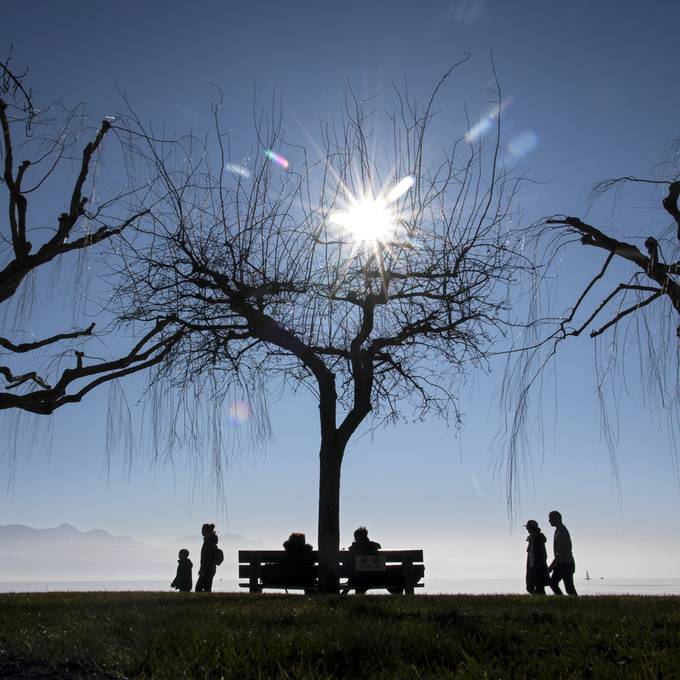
(333, 443)
(330, 461)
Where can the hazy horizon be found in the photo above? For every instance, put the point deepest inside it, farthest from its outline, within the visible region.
(70, 554)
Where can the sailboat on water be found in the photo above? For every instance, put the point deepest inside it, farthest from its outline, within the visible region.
(587, 576)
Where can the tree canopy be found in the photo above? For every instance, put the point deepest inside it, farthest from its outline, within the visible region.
(376, 273)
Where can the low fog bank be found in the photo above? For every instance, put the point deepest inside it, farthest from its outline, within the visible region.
(65, 553)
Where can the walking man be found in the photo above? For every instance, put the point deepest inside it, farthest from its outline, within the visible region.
(562, 567)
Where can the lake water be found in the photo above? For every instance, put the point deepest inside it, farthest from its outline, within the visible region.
(659, 586)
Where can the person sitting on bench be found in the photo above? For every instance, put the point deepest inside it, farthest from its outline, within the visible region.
(298, 550)
(297, 569)
(362, 545)
(360, 579)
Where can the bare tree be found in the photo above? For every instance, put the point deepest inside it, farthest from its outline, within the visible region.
(375, 277)
(630, 301)
(40, 384)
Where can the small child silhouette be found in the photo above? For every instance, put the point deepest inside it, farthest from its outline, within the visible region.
(183, 580)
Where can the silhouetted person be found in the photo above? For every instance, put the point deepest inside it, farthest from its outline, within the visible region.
(362, 545)
(298, 551)
(563, 566)
(209, 558)
(297, 569)
(183, 580)
(538, 576)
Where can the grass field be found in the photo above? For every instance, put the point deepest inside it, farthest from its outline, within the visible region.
(168, 635)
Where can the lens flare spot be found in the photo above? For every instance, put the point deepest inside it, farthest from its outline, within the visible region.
(237, 169)
(401, 188)
(486, 122)
(475, 484)
(523, 143)
(478, 129)
(277, 158)
(468, 12)
(239, 412)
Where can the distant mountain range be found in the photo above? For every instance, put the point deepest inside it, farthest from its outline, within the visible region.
(64, 552)
(67, 534)
(225, 540)
(64, 533)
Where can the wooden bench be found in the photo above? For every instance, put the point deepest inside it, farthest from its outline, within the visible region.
(394, 570)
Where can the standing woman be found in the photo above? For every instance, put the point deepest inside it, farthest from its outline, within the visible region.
(208, 567)
(537, 559)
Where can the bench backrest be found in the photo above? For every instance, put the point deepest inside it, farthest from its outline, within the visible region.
(252, 561)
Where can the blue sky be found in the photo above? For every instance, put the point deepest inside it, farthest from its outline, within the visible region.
(592, 82)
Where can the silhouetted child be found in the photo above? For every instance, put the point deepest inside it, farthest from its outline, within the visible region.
(183, 579)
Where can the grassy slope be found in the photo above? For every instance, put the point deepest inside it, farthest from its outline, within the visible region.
(167, 635)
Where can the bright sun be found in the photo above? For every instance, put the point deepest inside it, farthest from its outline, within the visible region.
(372, 220)
(367, 220)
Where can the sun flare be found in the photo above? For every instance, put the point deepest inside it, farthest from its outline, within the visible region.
(371, 220)
(367, 221)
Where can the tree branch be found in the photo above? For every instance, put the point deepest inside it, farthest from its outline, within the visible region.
(29, 346)
(16, 380)
(630, 310)
(47, 400)
(670, 203)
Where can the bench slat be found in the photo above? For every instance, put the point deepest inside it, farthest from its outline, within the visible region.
(275, 555)
(246, 570)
